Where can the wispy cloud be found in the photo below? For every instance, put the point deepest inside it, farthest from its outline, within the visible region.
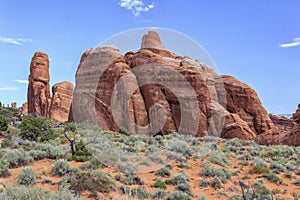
(22, 81)
(136, 6)
(296, 42)
(8, 88)
(16, 41)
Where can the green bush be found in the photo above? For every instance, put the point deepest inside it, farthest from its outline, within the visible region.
(4, 165)
(160, 184)
(27, 176)
(183, 187)
(81, 181)
(36, 129)
(17, 158)
(61, 167)
(216, 183)
(164, 172)
(259, 169)
(178, 195)
(204, 182)
(273, 178)
(21, 192)
(219, 158)
(179, 178)
(297, 182)
(211, 171)
(3, 123)
(202, 197)
(51, 151)
(140, 193)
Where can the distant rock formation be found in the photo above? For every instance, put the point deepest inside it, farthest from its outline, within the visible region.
(38, 96)
(282, 122)
(24, 108)
(40, 102)
(155, 91)
(62, 94)
(283, 135)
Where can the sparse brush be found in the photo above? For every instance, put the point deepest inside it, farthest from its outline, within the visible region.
(27, 176)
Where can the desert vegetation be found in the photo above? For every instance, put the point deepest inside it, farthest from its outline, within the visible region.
(44, 159)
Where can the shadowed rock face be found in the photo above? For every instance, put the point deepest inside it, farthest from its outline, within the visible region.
(154, 91)
(62, 94)
(38, 96)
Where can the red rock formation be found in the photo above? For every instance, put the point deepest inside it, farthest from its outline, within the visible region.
(283, 136)
(39, 88)
(243, 100)
(282, 122)
(62, 94)
(154, 91)
(24, 108)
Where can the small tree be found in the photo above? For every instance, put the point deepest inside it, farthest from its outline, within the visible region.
(3, 123)
(70, 133)
(36, 129)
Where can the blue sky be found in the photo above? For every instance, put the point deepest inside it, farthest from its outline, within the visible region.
(257, 41)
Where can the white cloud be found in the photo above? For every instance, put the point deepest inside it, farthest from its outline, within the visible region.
(16, 41)
(22, 81)
(136, 6)
(291, 44)
(8, 88)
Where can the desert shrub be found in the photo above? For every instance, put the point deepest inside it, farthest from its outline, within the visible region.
(216, 183)
(37, 154)
(180, 147)
(81, 154)
(219, 158)
(211, 171)
(183, 187)
(61, 167)
(36, 129)
(51, 151)
(124, 189)
(277, 152)
(160, 184)
(140, 193)
(178, 195)
(202, 197)
(180, 178)
(155, 157)
(118, 177)
(124, 131)
(81, 181)
(204, 182)
(105, 177)
(164, 172)
(27, 176)
(277, 168)
(132, 180)
(296, 182)
(17, 158)
(4, 166)
(258, 161)
(3, 123)
(259, 169)
(159, 194)
(127, 168)
(273, 178)
(33, 193)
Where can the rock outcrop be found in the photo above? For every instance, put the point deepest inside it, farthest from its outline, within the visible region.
(38, 96)
(243, 101)
(282, 122)
(154, 91)
(284, 136)
(62, 94)
(40, 103)
(24, 108)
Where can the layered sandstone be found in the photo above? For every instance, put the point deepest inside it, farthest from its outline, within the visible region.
(154, 91)
(38, 96)
(62, 94)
